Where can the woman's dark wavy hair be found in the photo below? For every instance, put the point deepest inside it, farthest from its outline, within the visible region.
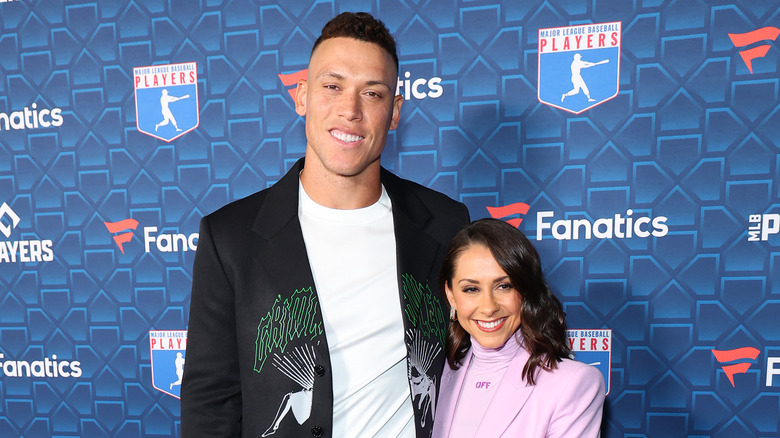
(360, 26)
(543, 326)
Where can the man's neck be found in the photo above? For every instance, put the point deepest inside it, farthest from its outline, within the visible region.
(342, 192)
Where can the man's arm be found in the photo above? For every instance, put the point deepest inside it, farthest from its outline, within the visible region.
(211, 387)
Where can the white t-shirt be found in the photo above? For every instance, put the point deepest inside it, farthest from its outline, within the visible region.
(353, 260)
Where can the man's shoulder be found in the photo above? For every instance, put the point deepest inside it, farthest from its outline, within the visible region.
(436, 213)
(240, 210)
(283, 194)
(427, 195)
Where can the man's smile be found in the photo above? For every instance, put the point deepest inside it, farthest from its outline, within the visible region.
(346, 138)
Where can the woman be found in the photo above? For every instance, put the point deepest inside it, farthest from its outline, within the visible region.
(509, 372)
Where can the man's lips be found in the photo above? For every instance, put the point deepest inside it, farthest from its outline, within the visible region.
(345, 137)
(490, 326)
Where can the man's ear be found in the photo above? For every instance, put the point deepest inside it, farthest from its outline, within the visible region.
(300, 98)
(397, 101)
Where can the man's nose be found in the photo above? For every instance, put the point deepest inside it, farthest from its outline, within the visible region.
(350, 106)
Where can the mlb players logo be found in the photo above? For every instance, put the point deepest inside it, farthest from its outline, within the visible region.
(168, 351)
(579, 66)
(166, 99)
(593, 347)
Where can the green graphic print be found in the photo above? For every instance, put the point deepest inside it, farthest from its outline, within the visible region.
(288, 320)
(426, 317)
(423, 309)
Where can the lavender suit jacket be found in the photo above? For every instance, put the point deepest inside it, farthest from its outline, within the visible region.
(566, 402)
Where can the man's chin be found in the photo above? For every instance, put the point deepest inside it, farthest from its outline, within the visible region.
(352, 169)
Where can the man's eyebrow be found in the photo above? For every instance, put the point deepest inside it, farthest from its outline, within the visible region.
(330, 74)
(377, 82)
(339, 77)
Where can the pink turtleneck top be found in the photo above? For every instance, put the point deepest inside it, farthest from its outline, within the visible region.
(483, 376)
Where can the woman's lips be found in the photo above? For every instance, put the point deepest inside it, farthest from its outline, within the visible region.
(490, 326)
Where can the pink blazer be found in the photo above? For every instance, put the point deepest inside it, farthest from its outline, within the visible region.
(564, 403)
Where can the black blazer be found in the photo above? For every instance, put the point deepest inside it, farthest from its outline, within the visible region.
(255, 334)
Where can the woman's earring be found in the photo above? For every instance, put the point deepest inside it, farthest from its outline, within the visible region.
(453, 316)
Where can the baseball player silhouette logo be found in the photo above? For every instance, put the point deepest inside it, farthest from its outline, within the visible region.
(579, 66)
(168, 349)
(166, 100)
(165, 109)
(576, 77)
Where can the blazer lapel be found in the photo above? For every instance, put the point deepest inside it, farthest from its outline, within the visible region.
(283, 254)
(509, 399)
(416, 250)
(421, 305)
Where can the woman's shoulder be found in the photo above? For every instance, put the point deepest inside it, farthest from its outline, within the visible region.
(570, 372)
(576, 366)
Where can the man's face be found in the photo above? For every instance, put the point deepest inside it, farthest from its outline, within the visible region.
(350, 104)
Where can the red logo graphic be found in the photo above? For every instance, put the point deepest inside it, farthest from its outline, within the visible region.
(519, 208)
(115, 227)
(744, 39)
(292, 79)
(735, 355)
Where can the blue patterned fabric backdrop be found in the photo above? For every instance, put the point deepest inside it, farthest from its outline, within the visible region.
(635, 143)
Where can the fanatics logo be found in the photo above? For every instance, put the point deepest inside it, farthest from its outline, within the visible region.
(166, 100)
(518, 208)
(578, 66)
(31, 118)
(737, 355)
(745, 39)
(121, 239)
(163, 242)
(614, 227)
(49, 367)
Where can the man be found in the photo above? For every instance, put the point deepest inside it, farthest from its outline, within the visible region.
(315, 310)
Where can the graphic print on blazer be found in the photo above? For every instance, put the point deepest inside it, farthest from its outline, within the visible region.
(290, 320)
(421, 355)
(424, 341)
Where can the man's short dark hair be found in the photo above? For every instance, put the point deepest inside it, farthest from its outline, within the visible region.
(360, 26)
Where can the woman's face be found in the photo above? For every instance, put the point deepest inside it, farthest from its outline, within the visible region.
(487, 304)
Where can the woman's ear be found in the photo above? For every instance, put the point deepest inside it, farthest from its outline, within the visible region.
(450, 296)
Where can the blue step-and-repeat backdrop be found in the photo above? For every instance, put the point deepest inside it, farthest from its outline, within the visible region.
(635, 143)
